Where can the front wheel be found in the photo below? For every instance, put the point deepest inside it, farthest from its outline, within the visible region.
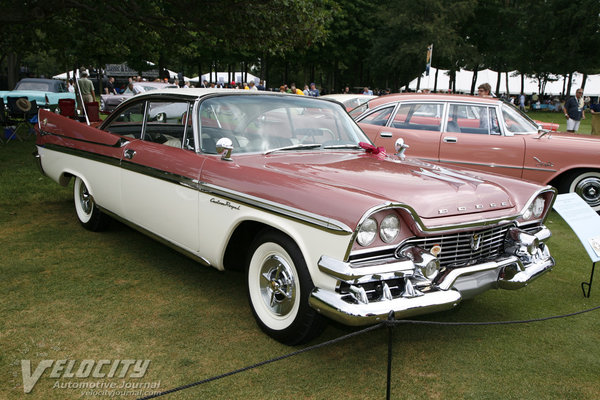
(279, 286)
(586, 184)
(87, 211)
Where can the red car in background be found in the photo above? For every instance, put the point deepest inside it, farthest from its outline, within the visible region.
(486, 134)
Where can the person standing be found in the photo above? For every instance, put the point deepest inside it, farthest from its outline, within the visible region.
(522, 102)
(84, 90)
(110, 86)
(313, 91)
(574, 112)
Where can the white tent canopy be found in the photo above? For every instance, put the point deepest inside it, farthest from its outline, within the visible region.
(223, 77)
(122, 70)
(464, 79)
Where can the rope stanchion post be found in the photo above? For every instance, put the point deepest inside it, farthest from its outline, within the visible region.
(588, 284)
(390, 327)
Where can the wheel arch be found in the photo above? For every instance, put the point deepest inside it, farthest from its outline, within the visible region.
(559, 180)
(236, 250)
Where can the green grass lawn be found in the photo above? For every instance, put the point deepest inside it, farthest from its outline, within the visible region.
(585, 127)
(67, 293)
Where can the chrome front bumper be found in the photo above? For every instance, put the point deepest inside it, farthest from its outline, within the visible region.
(417, 296)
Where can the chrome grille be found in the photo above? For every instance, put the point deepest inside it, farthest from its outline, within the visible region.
(457, 249)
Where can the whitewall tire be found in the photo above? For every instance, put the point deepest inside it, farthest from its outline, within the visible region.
(279, 286)
(88, 213)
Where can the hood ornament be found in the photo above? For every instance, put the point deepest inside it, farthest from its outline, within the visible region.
(400, 147)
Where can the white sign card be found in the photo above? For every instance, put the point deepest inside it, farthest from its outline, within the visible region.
(584, 221)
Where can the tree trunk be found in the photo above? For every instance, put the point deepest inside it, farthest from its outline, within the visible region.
(474, 79)
(569, 84)
(498, 82)
(12, 70)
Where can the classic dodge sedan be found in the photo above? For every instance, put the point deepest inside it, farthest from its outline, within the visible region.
(289, 189)
(487, 134)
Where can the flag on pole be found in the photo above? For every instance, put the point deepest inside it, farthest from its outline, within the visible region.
(429, 56)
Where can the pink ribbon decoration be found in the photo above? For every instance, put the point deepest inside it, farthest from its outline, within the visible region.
(369, 148)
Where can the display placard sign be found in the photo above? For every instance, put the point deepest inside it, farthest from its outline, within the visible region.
(584, 221)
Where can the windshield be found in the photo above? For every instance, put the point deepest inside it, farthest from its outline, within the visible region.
(359, 110)
(268, 123)
(517, 122)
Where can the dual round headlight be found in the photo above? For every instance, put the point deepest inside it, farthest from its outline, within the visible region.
(535, 209)
(388, 230)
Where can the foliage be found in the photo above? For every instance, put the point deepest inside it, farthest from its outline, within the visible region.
(336, 42)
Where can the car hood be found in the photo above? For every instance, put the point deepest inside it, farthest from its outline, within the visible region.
(368, 181)
(566, 138)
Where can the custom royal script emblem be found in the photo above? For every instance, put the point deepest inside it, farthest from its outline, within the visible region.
(225, 203)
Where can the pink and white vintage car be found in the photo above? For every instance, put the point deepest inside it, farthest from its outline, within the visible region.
(289, 189)
(486, 134)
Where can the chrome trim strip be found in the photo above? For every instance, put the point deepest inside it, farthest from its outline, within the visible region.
(313, 219)
(424, 229)
(120, 142)
(319, 221)
(159, 174)
(345, 271)
(84, 154)
(38, 161)
(495, 165)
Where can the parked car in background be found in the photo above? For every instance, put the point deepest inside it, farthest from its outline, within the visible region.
(45, 92)
(108, 102)
(486, 134)
(288, 189)
(350, 101)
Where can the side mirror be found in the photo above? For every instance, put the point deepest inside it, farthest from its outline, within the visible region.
(400, 148)
(225, 147)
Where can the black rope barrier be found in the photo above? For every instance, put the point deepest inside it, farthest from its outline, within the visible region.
(390, 323)
(260, 364)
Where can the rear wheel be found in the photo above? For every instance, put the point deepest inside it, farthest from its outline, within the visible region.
(279, 286)
(586, 184)
(87, 212)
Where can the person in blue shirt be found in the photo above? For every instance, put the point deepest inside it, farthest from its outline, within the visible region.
(573, 110)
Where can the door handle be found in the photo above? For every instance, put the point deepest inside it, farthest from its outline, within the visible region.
(385, 134)
(450, 140)
(128, 154)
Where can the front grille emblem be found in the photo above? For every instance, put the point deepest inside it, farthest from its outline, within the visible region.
(475, 242)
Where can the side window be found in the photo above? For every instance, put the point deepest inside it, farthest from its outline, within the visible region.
(379, 117)
(129, 122)
(468, 118)
(166, 122)
(419, 116)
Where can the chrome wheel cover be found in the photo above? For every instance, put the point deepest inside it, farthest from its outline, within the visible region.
(277, 285)
(85, 199)
(589, 190)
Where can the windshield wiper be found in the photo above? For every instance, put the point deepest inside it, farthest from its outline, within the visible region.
(342, 146)
(294, 147)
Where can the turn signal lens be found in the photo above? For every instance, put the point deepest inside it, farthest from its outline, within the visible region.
(367, 232)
